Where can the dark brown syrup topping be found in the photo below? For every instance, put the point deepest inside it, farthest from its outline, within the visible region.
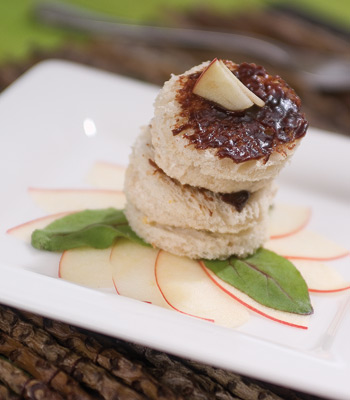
(155, 166)
(237, 199)
(250, 134)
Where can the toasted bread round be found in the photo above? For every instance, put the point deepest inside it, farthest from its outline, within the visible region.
(193, 243)
(192, 147)
(166, 202)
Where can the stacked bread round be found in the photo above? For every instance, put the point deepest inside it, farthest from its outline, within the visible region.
(190, 201)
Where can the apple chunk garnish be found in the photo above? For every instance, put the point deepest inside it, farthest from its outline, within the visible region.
(306, 245)
(105, 175)
(187, 289)
(285, 220)
(133, 272)
(60, 200)
(87, 267)
(218, 84)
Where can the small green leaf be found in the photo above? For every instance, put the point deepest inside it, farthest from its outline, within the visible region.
(93, 228)
(268, 278)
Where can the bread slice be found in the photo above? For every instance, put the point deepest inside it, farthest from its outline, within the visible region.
(193, 243)
(180, 160)
(166, 202)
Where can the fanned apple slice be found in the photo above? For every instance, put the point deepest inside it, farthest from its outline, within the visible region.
(60, 200)
(187, 289)
(295, 320)
(24, 231)
(218, 84)
(105, 175)
(133, 272)
(87, 267)
(285, 219)
(320, 277)
(307, 245)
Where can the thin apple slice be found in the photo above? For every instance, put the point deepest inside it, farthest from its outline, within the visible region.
(306, 245)
(295, 320)
(187, 289)
(24, 231)
(218, 84)
(320, 277)
(133, 272)
(60, 200)
(286, 219)
(253, 97)
(87, 267)
(105, 175)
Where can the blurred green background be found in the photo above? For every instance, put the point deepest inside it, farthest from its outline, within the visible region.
(309, 29)
(20, 33)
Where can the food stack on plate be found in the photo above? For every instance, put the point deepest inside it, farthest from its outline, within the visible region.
(200, 180)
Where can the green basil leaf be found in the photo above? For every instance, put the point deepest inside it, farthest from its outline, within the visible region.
(93, 228)
(268, 278)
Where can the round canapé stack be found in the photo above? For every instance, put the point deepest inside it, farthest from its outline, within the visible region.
(200, 180)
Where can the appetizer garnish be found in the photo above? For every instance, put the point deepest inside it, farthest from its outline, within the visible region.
(139, 271)
(200, 180)
(199, 232)
(218, 84)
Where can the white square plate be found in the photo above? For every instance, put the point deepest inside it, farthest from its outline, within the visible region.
(43, 144)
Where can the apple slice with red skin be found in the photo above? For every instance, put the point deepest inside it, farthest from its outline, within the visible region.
(88, 267)
(290, 319)
(105, 175)
(286, 220)
(187, 289)
(24, 231)
(60, 200)
(306, 245)
(133, 272)
(320, 277)
(218, 84)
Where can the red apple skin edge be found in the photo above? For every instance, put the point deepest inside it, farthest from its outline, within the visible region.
(317, 259)
(14, 228)
(247, 305)
(295, 230)
(329, 291)
(161, 292)
(115, 286)
(116, 289)
(60, 265)
(200, 76)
